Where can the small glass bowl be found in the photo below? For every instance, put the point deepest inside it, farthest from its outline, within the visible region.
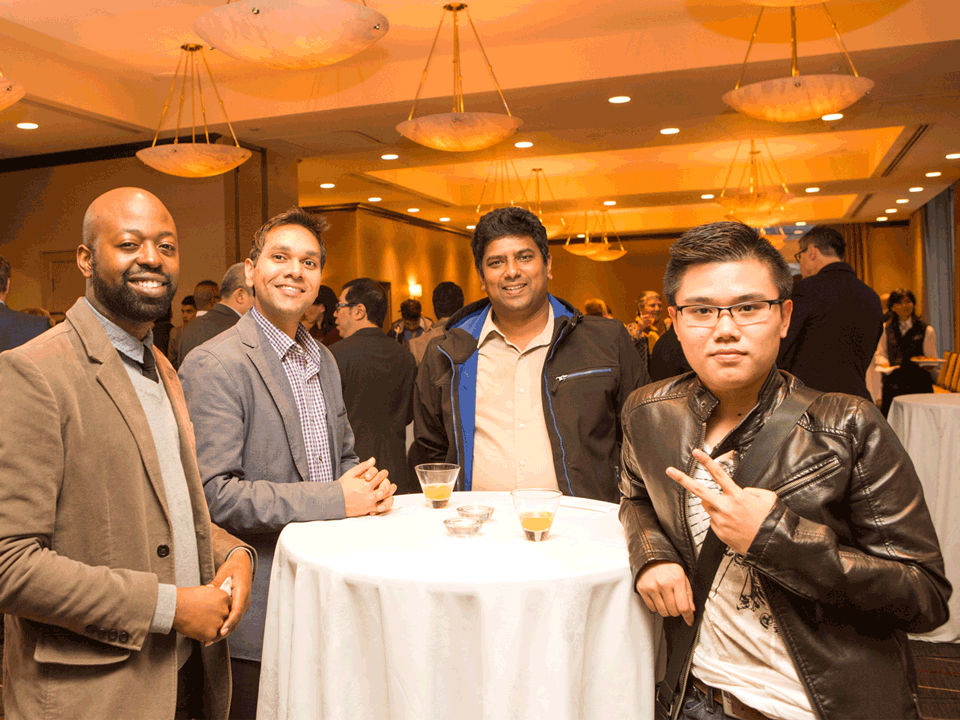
(476, 512)
(462, 527)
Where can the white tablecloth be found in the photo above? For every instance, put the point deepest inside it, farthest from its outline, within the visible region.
(389, 617)
(929, 428)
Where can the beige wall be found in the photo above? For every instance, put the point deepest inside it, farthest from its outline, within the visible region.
(361, 243)
(43, 213)
(894, 258)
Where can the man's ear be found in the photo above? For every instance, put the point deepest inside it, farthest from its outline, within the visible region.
(84, 262)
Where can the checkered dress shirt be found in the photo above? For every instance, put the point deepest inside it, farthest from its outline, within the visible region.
(301, 362)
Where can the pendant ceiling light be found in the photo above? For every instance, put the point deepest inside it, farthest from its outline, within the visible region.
(608, 252)
(537, 175)
(458, 131)
(775, 236)
(758, 197)
(798, 97)
(505, 188)
(193, 159)
(10, 91)
(291, 34)
(587, 247)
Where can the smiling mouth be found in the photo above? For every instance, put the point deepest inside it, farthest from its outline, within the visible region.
(514, 288)
(290, 290)
(148, 285)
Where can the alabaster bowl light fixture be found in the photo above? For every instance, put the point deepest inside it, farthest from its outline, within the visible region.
(458, 131)
(588, 247)
(608, 252)
(10, 91)
(538, 177)
(760, 191)
(291, 34)
(798, 97)
(193, 159)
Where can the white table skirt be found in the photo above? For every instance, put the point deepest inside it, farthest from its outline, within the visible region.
(929, 427)
(389, 617)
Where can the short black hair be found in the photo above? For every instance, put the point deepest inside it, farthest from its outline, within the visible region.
(722, 242)
(317, 225)
(411, 309)
(447, 299)
(370, 294)
(328, 298)
(4, 273)
(826, 240)
(188, 300)
(504, 222)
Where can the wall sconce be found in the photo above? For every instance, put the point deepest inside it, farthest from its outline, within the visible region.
(415, 290)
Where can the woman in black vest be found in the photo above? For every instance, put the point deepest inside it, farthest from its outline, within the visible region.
(904, 336)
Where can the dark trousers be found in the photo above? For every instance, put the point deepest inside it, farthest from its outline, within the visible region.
(246, 688)
(190, 687)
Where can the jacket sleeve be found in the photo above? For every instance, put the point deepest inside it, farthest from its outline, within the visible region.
(802, 309)
(891, 568)
(217, 410)
(633, 367)
(646, 540)
(36, 582)
(430, 443)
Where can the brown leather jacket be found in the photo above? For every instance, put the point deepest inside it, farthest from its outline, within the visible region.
(848, 557)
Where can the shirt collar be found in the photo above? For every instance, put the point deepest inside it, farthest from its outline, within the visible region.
(905, 325)
(489, 326)
(282, 343)
(123, 341)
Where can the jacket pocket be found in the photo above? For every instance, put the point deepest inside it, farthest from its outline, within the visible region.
(807, 476)
(555, 382)
(68, 648)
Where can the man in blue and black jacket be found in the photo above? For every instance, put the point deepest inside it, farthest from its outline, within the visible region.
(521, 389)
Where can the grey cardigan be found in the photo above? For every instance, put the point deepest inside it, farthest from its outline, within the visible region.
(251, 454)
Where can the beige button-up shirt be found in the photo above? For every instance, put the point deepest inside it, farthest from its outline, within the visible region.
(511, 448)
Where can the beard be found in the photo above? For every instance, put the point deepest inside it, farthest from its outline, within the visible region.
(125, 302)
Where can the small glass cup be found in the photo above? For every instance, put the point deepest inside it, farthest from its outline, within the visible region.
(536, 508)
(437, 481)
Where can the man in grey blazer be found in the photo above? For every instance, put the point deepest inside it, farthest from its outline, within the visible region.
(274, 444)
(236, 299)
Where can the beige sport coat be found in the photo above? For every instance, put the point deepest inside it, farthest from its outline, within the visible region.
(85, 534)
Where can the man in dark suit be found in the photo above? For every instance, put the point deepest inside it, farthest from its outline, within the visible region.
(378, 375)
(15, 327)
(837, 319)
(274, 444)
(236, 297)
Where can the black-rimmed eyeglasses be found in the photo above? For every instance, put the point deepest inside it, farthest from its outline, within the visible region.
(340, 306)
(745, 313)
(796, 256)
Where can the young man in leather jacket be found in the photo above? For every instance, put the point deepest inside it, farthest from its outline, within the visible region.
(829, 559)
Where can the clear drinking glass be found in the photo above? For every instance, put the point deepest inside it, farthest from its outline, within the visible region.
(437, 481)
(536, 509)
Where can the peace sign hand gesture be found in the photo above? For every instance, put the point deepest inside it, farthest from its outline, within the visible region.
(737, 514)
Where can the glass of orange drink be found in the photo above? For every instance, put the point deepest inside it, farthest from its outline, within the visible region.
(536, 508)
(437, 481)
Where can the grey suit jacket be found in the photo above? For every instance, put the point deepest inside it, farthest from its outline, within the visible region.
(206, 327)
(251, 454)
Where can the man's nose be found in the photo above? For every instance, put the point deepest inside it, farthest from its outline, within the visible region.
(149, 255)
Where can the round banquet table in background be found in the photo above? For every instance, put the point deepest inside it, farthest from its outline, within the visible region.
(929, 427)
(389, 617)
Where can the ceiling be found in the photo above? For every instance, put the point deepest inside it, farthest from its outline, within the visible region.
(97, 73)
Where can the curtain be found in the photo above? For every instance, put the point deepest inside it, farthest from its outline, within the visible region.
(858, 254)
(938, 262)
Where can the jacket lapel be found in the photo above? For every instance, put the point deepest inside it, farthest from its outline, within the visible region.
(264, 358)
(113, 377)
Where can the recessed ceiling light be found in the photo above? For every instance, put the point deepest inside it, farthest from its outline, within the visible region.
(902, 201)
(581, 235)
(934, 174)
(800, 223)
(953, 156)
(669, 131)
(327, 186)
(412, 210)
(471, 227)
(609, 202)
(374, 199)
(708, 196)
(813, 189)
(890, 211)
(523, 144)
(389, 156)
(798, 232)
(619, 99)
(882, 218)
(27, 126)
(444, 219)
(832, 116)
(916, 189)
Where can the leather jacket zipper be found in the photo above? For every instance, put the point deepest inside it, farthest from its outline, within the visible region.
(810, 476)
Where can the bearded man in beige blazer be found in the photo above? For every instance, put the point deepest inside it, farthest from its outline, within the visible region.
(112, 577)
